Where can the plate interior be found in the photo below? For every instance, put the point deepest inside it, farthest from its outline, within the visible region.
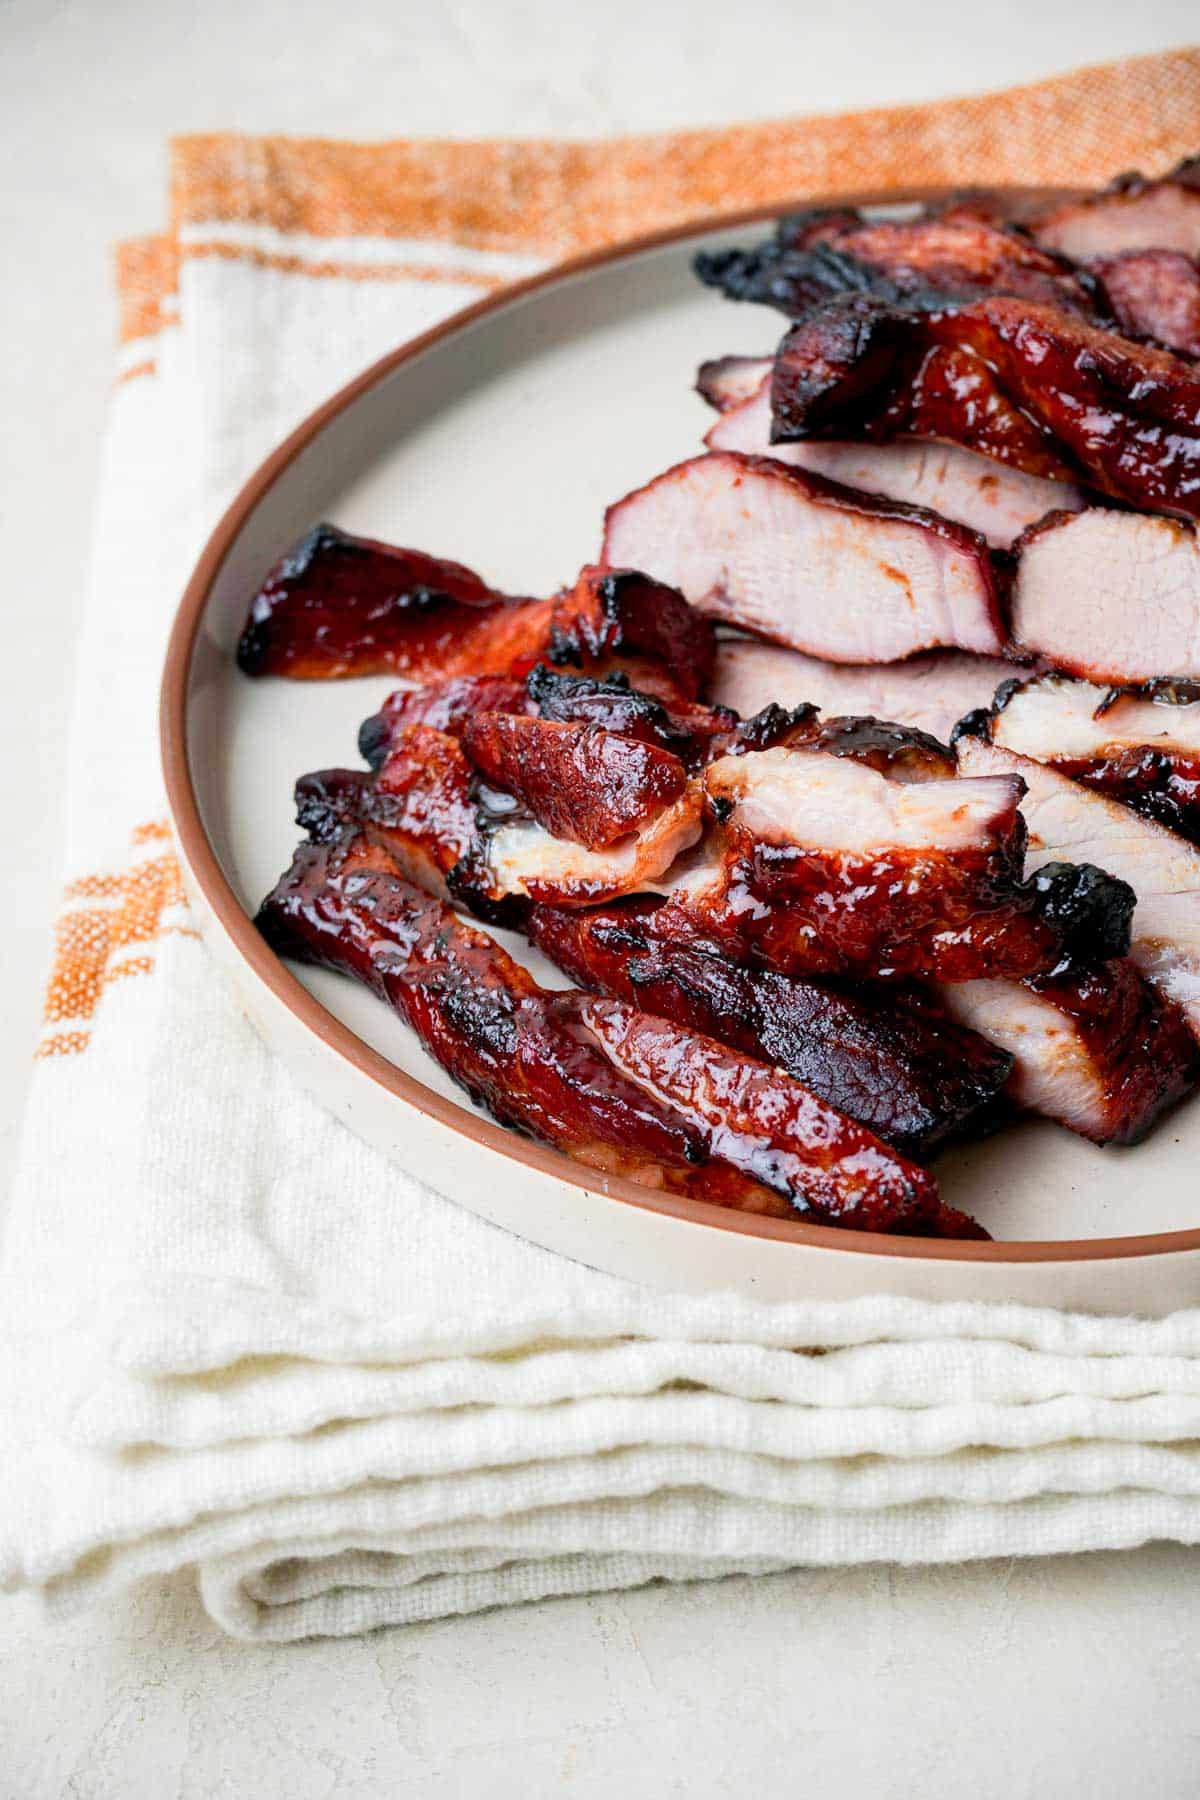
(500, 447)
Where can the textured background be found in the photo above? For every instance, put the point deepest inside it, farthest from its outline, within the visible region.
(1063, 1678)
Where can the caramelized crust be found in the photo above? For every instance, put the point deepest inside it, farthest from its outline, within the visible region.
(582, 1074)
(579, 781)
(896, 1066)
(1094, 1049)
(340, 605)
(915, 262)
(766, 1125)
(1139, 745)
(1026, 383)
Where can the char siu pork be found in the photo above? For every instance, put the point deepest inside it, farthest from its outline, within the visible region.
(1068, 821)
(1110, 595)
(896, 1065)
(340, 605)
(1140, 745)
(616, 1089)
(1028, 384)
(789, 556)
(1134, 212)
(1094, 1049)
(930, 692)
(987, 497)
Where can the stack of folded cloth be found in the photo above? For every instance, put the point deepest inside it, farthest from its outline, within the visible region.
(233, 1336)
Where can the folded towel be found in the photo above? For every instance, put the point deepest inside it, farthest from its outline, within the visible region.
(233, 1336)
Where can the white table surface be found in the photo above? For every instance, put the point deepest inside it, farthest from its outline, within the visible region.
(1013, 1681)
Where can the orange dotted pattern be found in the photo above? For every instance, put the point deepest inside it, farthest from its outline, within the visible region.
(88, 937)
(147, 277)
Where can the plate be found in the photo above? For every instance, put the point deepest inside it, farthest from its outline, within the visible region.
(497, 439)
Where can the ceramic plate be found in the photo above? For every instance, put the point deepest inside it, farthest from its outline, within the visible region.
(497, 440)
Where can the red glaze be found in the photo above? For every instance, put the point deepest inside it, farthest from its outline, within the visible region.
(419, 805)
(445, 705)
(1159, 784)
(951, 257)
(1139, 1046)
(895, 1065)
(1155, 294)
(579, 781)
(340, 605)
(768, 1125)
(540, 1064)
(902, 915)
(1028, 384)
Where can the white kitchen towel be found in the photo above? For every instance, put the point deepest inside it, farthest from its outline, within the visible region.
(232, 1336)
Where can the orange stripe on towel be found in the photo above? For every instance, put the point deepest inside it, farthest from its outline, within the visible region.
(287, 264)
(553, 197)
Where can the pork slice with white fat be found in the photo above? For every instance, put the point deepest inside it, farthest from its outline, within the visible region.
(1140, 745)
(1134, 212)
(1059, 719)
(931, 692)
(1071, 823)
(1096, 1050)
(997, 501)
(802, 561)
(1110, 595)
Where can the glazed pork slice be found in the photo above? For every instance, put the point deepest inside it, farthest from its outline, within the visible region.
(1141, 745)
(921, 262)
(452, 833)
(1096, 1050)
(930, 692)
(1029, 384)
(1154, 293)
(987, 497)
(1071, 822)
(1135, 212)
(1114, 596)
(338, 605)
(610, 702)
(767, 1126)
(578, 780)
(615, 1089)
(899, 1067)
(823, 866)
(791, 557)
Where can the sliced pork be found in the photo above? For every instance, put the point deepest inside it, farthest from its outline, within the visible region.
(1028, 384)
(1154, 293)
(824, 866)
(616, 1089)
(931, 692)
(1110, 595)
(987, 497)
(922, 262)
(1095, 1050)
(1135, 212)
(1074, 823)
(1140, 745)
(339, 605)
(579, 781)
(789, 556)
(898, 1067)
